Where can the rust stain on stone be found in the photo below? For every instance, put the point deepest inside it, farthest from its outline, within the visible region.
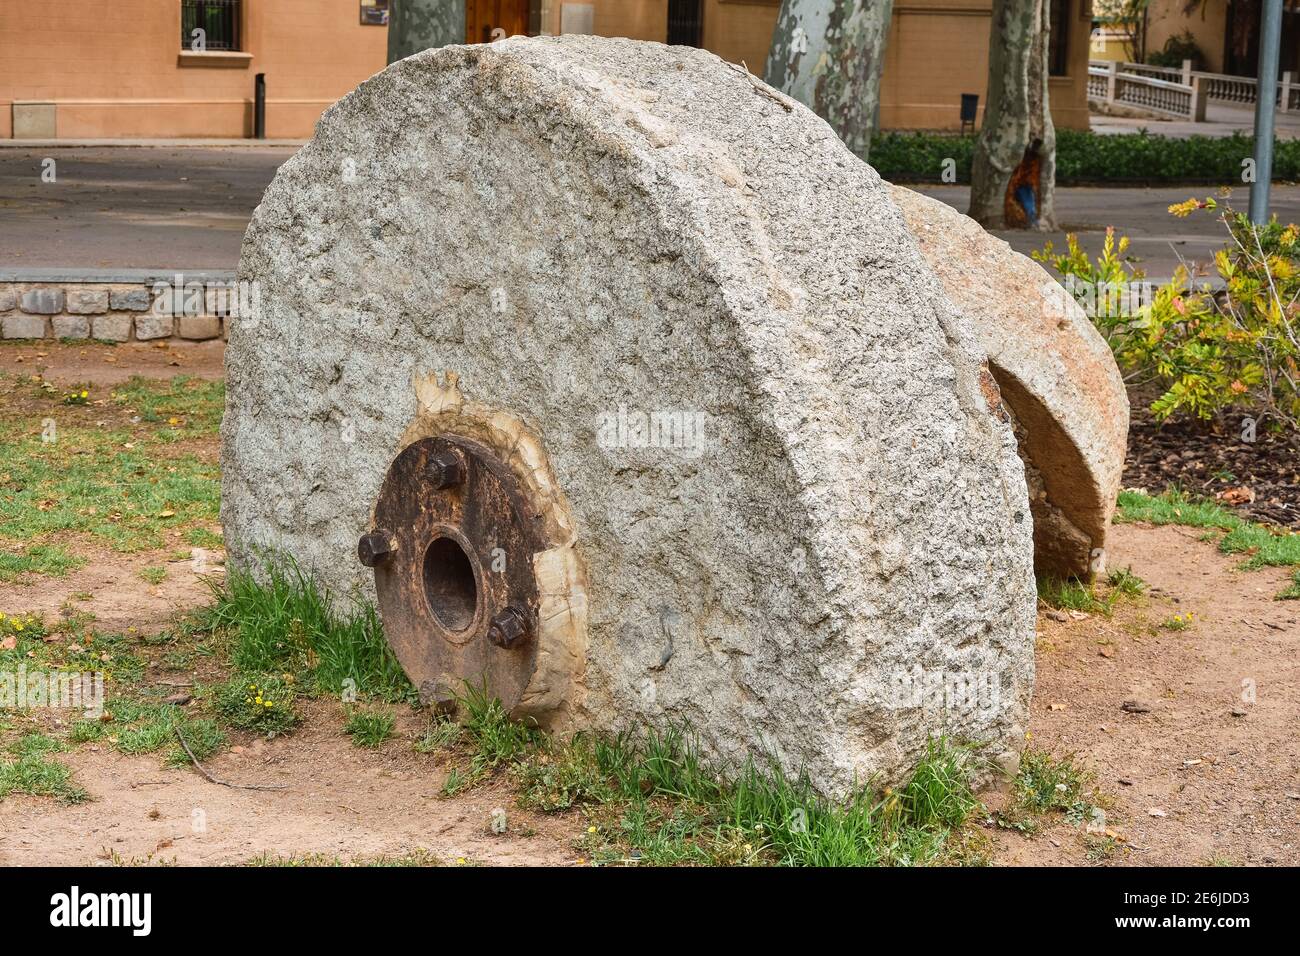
(992, 394)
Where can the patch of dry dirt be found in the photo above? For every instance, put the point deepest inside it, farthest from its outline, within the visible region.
(339, 800)
(96, 364)
(118, 597)
(1228, 786)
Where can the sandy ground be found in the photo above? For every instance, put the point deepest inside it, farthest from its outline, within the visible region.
(1228, 786)
(98, 364)
(338, 800)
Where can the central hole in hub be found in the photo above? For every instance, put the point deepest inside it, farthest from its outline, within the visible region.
(449, 584)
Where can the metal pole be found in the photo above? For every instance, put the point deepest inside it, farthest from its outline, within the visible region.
(1270, 39)
(259, 106)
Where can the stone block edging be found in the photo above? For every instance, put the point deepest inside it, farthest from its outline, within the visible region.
(116, 305)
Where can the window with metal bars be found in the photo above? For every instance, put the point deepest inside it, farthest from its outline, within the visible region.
(1058, 40)
(684, 22)
(217, 19)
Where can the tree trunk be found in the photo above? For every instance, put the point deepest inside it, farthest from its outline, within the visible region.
(415, 25)
(829, 54)
(1013, 175)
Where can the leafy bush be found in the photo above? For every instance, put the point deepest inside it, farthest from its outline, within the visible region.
(1084, 157)
(1210, 351)
(1179, 47)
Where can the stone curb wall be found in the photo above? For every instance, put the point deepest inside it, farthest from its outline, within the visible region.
(137, 308)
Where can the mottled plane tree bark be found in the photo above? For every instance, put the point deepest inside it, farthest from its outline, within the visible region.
(829, 54)
(1013, 174)
(415, 25)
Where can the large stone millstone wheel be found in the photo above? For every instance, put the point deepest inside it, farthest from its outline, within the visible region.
(642, 404)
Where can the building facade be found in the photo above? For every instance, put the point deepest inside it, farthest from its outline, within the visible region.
(83, 69)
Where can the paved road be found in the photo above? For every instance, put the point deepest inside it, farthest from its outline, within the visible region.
(125, 207)
(1157, 239)
(186, 208)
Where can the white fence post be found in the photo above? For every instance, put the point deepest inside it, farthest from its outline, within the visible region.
(1198, 100)
(1112, 81)
(1187, 73)
(1284, 100)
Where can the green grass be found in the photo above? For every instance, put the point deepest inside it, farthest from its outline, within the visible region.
(1292, 591)
(153, 575)
(284, 622)
(1071, 594)
(141, 725)
(1127, 583)
(26, 767)
(654, 800)
(1262, 546)
(114, 483)
(113, 654)
(440, 736)
(368, 728)
(50, 560)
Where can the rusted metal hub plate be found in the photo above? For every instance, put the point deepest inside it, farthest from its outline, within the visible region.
(452, 550)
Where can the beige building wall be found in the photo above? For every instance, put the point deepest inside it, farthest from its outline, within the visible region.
(740, 31)
(937, 50)
(634, 19)
(115, 69)
(1208, 25)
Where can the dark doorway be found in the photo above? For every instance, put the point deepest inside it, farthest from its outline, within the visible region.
(1241, 45)
(685, 22)
(488, 20)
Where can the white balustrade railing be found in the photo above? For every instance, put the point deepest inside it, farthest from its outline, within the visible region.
(1242, 90)
(1107, 83)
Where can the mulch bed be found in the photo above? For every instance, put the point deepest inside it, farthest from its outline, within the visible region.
(1210, 460)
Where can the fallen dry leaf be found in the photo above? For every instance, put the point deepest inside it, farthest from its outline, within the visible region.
(1237, 496)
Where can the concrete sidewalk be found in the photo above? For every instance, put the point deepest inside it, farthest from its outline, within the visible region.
(194, 143)
(1221, 119)
(162, 208)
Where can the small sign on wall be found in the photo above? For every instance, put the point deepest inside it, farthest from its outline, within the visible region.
(577, 18)
(374, 13)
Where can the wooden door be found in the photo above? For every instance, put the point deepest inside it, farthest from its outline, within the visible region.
(486, 20)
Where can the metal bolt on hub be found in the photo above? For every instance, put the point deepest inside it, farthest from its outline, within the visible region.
(508, 628)
(446, 470)
(375, 548)
(459, 585)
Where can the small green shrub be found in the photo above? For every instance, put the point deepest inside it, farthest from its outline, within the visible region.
(1087, 158)
(369, 728)
(1178, 47)
(1209, 352)
(262, 703)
